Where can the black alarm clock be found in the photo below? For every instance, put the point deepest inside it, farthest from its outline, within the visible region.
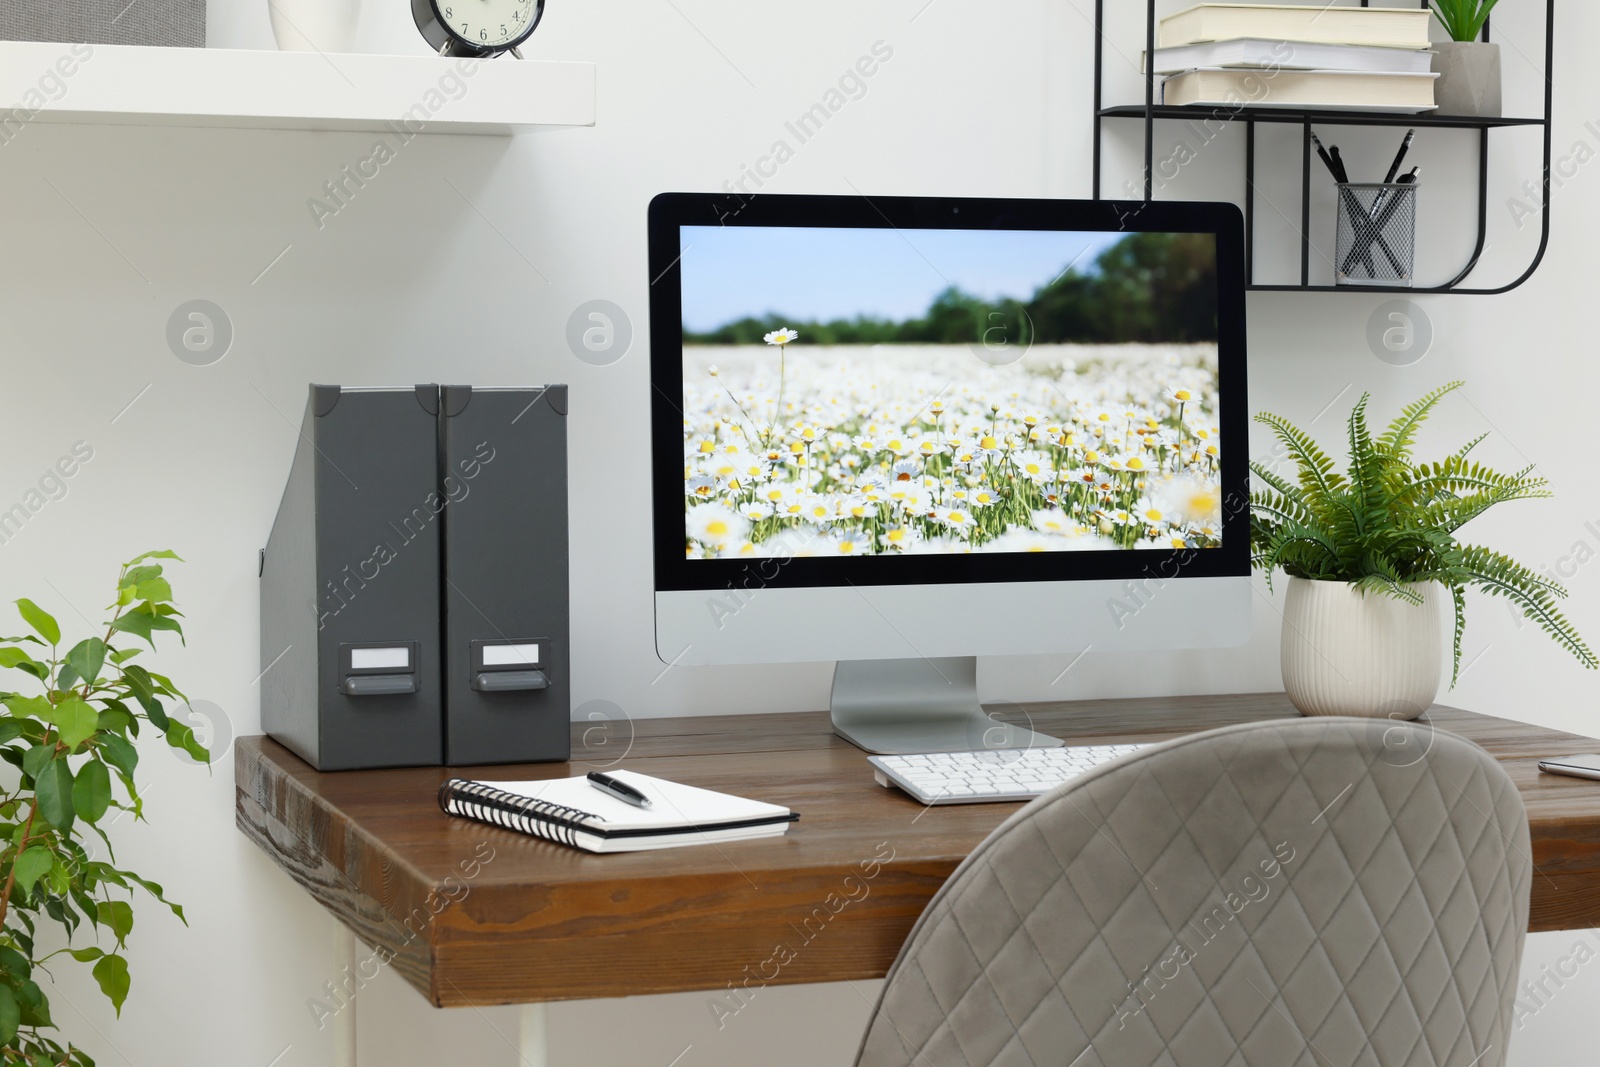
(476, 28)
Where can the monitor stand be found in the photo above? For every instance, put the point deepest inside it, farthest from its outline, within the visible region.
(920, 705)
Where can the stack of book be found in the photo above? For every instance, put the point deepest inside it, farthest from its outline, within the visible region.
(1296, 56)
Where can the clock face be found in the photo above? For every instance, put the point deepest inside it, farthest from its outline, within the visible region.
(489, 23)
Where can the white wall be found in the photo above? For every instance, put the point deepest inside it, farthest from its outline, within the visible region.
(107, 230)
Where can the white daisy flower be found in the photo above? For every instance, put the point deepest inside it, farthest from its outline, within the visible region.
(715, 526)
(852, 543)
(905, 470)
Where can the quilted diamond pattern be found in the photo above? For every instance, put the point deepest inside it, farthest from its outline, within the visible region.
(1285, 894)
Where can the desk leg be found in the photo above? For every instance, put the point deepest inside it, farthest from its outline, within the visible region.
(533, 1036)
(344, 1023)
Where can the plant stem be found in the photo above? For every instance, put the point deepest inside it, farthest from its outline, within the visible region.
(11, 878)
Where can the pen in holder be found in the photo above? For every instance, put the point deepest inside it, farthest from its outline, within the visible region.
(1376, 241)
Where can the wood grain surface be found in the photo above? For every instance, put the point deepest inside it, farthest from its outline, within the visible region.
(475, 915)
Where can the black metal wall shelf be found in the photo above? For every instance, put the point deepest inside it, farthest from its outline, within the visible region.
(1150, 112)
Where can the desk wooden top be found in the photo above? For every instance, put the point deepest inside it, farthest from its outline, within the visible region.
(476, 915)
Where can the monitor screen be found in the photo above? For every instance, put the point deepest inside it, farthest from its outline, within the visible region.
(853, 391)
(878, 391)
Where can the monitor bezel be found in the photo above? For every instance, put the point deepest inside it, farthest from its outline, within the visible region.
(673, 571)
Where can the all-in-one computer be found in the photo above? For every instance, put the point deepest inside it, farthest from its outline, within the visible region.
(900, 433)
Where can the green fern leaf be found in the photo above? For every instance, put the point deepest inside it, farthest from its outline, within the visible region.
(1398, 438)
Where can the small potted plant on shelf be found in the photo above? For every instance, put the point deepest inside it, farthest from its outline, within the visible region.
(1468, 69)
(69, 733)
(1371, 555)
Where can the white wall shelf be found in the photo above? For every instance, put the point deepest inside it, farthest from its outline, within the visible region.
(123, 85)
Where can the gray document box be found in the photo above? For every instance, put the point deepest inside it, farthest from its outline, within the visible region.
(414, 587)
(350, 584)
(507, 685)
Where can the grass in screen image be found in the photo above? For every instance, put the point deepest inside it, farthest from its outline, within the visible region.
(881, 407)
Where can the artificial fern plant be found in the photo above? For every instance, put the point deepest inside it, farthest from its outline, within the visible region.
(1388, 525)
(67, 740)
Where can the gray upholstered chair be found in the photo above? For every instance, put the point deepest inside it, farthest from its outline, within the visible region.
(1303, 893)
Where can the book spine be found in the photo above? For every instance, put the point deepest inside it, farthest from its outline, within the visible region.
(539, 818)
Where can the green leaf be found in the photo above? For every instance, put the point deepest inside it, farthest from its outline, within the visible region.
(15, 657)
(112, 974)
(123, 655)
(154, 890)
(155, 589)
(181, 735)
(29, 707)
(40, 620)
(1401, 433)
(86, 657)
(119, 752)
(144, 691)
(10, 1015)
(37, 669)
(117, 914)
(53, 788)
(86, 904)
(165, 553)
(135, 575)
(32, 865)
(86, 955)
(62, 913)
(140, 623)
(35, 1008)
(91, 790)
(37, 758)
(116, 716)
(76, 720)
(14, 963)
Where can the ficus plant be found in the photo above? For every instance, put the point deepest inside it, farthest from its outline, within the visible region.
(69, 732)
(1388, 524)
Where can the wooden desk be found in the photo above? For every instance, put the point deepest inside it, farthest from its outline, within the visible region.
(541, 922)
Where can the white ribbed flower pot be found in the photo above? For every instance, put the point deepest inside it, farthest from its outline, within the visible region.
(1345, 653)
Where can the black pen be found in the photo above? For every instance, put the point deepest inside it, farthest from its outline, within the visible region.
(1338, 162)
(1399, 157)
(1327, 160)
(1393, 205)
(619, 789)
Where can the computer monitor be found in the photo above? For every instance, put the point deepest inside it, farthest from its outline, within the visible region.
(900, 433)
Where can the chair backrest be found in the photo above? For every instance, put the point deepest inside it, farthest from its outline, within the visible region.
(1298, 893)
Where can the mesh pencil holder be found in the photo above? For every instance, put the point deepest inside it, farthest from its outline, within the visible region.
(1376, 241)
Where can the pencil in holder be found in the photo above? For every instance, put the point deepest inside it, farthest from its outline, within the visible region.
(1376, 240)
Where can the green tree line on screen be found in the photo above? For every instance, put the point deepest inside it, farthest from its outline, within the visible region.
(1158, 288)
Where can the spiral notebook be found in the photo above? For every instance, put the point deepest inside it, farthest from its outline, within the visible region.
(573, 812)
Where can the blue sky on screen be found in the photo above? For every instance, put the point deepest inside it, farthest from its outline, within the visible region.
(821, 274)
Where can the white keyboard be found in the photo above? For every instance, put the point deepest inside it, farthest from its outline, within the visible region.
(990, 775)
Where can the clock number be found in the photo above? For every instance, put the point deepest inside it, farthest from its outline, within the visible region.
(503, 30)
(449, 12)
(483, 35)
